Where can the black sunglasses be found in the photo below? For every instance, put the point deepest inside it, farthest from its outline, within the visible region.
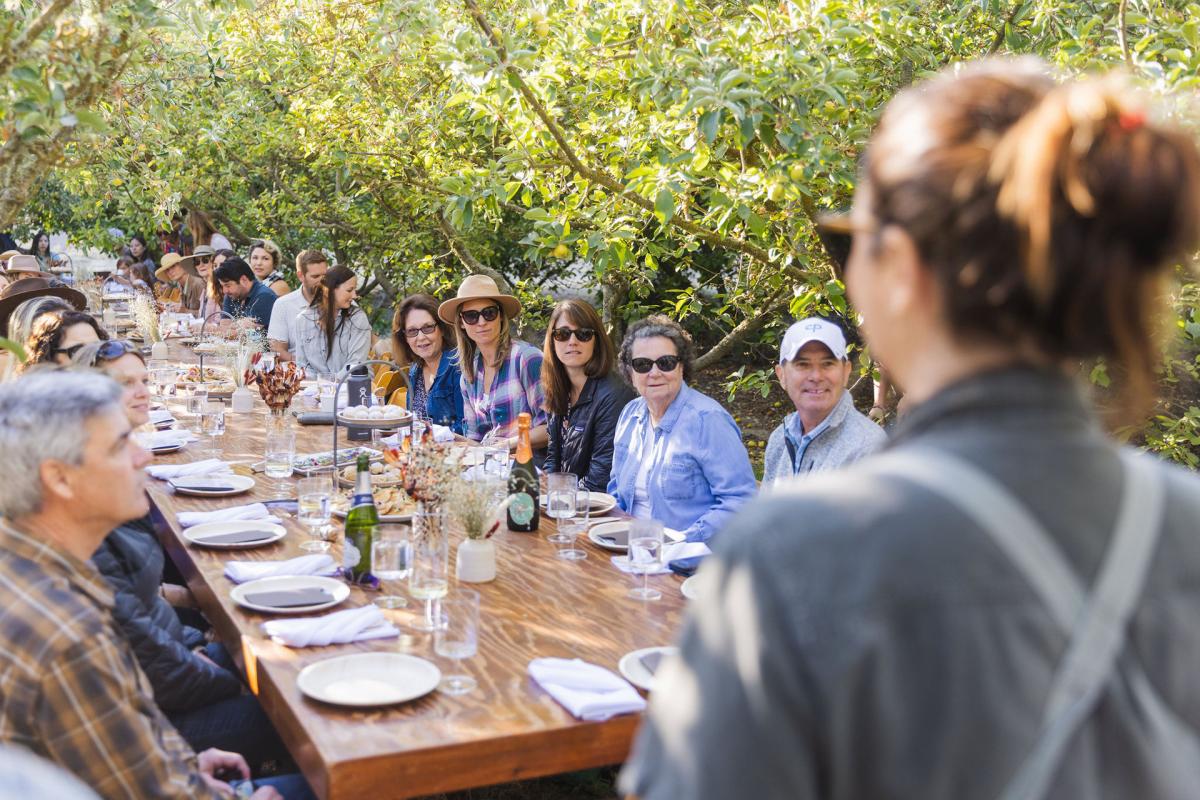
(70, 352)
(564, 334)
(644, 365)
(412, 333)
(489, 314)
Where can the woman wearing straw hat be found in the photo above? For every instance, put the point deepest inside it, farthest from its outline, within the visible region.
(177, 286)
(501, 375)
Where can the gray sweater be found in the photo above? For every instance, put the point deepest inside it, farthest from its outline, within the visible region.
(846, 436)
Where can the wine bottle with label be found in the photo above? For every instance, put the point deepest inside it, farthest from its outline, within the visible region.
(523, 483)
(362, 526)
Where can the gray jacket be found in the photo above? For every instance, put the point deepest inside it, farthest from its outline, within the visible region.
(865, 639)
(846, 436)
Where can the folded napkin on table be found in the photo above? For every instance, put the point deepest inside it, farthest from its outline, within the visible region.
(209, 466)
(340, 627)
(671, 552)
(169, 438)
(254, 512)
(316, 564)
(161, 416)
(588, 691)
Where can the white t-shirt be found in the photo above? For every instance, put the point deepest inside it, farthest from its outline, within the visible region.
(219, 242)
(283, 318)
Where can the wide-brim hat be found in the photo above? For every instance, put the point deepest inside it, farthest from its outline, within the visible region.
(478, 287)
(22, 264)
(168, 261)
(24, 289)
(7, 254)
(189, 262)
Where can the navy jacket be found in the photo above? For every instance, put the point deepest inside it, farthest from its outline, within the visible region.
(586, 447)
(444, 403)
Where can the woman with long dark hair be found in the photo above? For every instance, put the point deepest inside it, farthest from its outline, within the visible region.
(57, 336)
(40, 249)
(333, 331)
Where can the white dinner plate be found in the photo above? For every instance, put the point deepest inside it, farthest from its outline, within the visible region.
(596, 531)
(195, 487)
(635, 672)
(363, 680)
(600, 503)
(690, 589)
(162, 450)
(338, 589)
(197, 534)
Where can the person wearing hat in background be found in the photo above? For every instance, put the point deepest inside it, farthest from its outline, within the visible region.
(200, 265)
(177, 286)
(825, 431)
(23, 301)
(501, 375)
(23, 266)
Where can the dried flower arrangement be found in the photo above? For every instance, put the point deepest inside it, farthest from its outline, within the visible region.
(428, 469)
(251, 344)
(474, 504)
(278, 384)
(145, 315)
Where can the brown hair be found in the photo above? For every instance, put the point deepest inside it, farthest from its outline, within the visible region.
(404, 354)
(272, 250)
(1048, 214)
(200, 226)
(650, 327)
(466, 345)
(306, 258)
(328, 316)
(48, 331)
(555, 381)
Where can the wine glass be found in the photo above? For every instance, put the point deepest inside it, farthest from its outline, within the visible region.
(281, 452)
(196, 401)
(428, 579)
(458, 638)
(645, 554)
(212, 423)
(390, 562)
(561, 491)
(312, 510)
(569, 530)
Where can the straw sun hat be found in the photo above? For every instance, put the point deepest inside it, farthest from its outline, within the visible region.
(168, 261)
(478, 287)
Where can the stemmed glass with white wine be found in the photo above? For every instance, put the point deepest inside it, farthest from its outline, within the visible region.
(314, 496)
(562, 490)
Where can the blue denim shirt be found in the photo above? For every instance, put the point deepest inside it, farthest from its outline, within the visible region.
(444, 402)
(700, 473)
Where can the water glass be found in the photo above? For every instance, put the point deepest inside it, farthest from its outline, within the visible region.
(326, 384)
(280, 453)
(313, 511)
(561, 488)
(390, 562)
(496, 461)
(196, 401)
(429, 577)
(212, 423)
(569, 530)
(645, 554)
(458, 639)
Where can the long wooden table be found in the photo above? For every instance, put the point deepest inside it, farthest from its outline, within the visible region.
(507, 729)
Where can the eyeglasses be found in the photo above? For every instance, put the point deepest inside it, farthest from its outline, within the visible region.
(412, 333)
(70, 352)
(204, 259)
(114, 349)
(489, 314)
(564, 334)
(644, 365)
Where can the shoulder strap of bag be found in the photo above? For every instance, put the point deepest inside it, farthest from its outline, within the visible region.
(1098, 622)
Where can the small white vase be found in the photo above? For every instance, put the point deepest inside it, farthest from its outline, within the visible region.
(242, 401)
(476, 561)
(159, 350)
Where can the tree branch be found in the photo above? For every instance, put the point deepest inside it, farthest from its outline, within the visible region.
(778, 301)
(1122, 36)
(460, 249)
(44, 20)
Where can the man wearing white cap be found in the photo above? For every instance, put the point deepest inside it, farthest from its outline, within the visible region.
(825, 431)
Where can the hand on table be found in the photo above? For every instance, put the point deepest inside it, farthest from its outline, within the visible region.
(212, 761)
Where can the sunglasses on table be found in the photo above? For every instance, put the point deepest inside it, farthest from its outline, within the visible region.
(564, 334)
(489, 314)
(412, 333)
(644, 365)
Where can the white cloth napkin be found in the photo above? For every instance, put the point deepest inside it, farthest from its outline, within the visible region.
(169, 472)
(670, 553)
(168, 438)
(254, 512)
(588, 691)
(161, 416)
(340, 627)
(316, 564)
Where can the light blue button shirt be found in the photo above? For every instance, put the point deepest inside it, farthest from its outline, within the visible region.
(700, 472)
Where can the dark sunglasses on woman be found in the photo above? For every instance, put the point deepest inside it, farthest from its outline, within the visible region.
(644, 365)
(489, 314)
(112, 350)
(564, 334)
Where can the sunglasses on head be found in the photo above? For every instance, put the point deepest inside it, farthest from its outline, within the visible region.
(114, 349)
(644, 365)
(412, 333)
(564, 334)
(489, 314)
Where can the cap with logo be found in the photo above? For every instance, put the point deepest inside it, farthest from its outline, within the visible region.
(813, 329)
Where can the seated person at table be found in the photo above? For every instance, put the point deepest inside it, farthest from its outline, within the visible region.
(177, 286)
(678, 456)
(265, 261)
(24, 300)
(73, 691)
(584, 394)
(501, 375)
(246, 297)
(311, 266)
(825, 431)
(421, 341)
(333, 332)
(57, 336)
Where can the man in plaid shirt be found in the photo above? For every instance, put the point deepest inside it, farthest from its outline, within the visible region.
(71, 689)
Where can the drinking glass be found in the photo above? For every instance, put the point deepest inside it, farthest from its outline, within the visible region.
(313, 498)
(645, 554)
(428, 579)
(281, 452)
(458, 639)
(561, 491)
(326, 384)
(495, 461)
(212, 423)
(390, 562)
(197, 400)
(569, 530)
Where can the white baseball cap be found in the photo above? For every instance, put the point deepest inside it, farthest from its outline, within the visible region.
(813, 329)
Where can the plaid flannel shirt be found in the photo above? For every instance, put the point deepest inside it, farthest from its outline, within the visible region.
(71, 689)
(517, 387)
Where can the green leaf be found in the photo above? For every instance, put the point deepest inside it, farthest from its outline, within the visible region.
(709, 122)
(664, 206)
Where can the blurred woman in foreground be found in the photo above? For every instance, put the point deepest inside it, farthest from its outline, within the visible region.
(1002, 603)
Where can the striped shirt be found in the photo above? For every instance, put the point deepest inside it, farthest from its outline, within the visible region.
(71, 689)
(516, 387)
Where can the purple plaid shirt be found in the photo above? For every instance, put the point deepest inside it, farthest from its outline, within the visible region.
(517, 387)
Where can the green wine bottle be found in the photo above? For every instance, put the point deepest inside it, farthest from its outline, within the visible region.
(523, 483)
(362, 526)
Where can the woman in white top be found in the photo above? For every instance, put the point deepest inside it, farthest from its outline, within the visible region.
(333, 332)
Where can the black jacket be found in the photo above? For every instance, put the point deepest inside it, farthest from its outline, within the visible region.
(586, 447)
(131, 561)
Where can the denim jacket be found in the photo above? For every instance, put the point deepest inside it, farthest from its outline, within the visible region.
(444, 403)
(700, 472)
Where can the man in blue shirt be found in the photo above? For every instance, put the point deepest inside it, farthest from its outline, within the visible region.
(245, 296)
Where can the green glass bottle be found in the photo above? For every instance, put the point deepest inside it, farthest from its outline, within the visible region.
(523, 483)
(362, 526)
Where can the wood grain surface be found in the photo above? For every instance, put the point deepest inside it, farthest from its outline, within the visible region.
(507, 729)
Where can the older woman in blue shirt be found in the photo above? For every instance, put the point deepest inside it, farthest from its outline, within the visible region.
(421, 341)
(678, 455)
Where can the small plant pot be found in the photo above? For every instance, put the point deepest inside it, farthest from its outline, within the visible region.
(476, 561)
(242, 401)
(160, 351)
